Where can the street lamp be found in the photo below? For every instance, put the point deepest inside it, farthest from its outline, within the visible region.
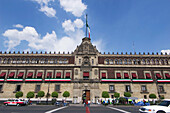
(48, 94)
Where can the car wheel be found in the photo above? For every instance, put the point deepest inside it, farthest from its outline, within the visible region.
(17, 104)
(160, 112)
(6, 104)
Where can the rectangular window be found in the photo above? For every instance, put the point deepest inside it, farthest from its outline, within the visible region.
(79, 61)
(143, 88)
(57, 88)
(1, 88)
(127, 88)
(161, 88)
(92, 61)
(111, 88)
(37, 88)
(18, 88)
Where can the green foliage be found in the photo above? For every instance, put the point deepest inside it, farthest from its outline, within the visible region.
(41, 94)
(105, 94)
(122, 100)
(19, 94)
(162, 97)
(127, 94)
(55, 94)
(30, 94)
(66, 94)
(116, 95)
(152, 96)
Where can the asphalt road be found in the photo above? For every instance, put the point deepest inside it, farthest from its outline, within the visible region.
(69, 109)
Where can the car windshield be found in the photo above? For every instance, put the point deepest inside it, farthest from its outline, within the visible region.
(165, 103)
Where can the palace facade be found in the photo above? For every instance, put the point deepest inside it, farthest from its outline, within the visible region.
(85, 72)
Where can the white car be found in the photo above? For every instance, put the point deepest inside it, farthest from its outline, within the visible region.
(15, 102)
(163, 107)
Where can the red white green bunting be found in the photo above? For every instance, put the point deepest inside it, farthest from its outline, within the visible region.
(164, 80)
(14, 80)
(33, 80)
(116, 80)
(1, 80)
(65, 80)
(142, 80)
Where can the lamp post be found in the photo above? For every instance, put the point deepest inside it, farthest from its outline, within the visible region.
(48, 88)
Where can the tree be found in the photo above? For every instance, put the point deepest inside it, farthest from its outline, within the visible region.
(19, 94)
(127, 94)
(116, 95)
(66, 94)
(55, 94)
(105, 94)
(152, 96)
(30, 94)
(41, 94)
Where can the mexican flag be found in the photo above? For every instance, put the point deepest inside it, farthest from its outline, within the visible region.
(88, 29)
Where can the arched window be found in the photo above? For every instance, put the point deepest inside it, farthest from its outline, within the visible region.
(156, 61)
(143, 61)
(153, 61)
(56, 62)
(134, 61)
(125, 61)
(129, 61)
(65, 60)
(120, 61)
(14, 60)
(107, 61)
(60, 61)
(27, 60)
(51, 61)
(148, 61)
(46, 61)
(116, 61)
(166, 61)
(9, 61)
(18, 60)
(162, 61)
(111, 61)
(5, 61)
(23, 60)
(138, 62)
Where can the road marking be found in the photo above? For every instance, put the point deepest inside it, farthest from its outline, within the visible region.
(56, 109)
(119, 110)
(87, 110)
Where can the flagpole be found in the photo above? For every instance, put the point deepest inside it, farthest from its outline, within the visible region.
(86, 25)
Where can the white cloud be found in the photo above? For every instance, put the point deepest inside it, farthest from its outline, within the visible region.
(76, 7)
(78, 23)
(44, 7)
(49, 42)
(166, 51)
(68, 25)
(50, 12)
(18, 26)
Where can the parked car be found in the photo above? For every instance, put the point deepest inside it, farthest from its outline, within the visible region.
(15, 102)
(163, 107)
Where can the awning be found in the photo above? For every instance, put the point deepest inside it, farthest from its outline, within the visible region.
(158, 75)
(2, 74)
(126, 75)
(11, 74)
(68, 74)
(103, 75)
(49, 74)
(134, 75)
(20, 74)
(118, 75)
(29, 74)
(167, 75)
(148, 76)
(86, 74)
(39, 74)
(58, 75)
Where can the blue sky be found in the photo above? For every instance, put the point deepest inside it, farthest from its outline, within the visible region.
(59, 25)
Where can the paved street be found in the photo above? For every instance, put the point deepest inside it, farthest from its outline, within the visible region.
(69, 109)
